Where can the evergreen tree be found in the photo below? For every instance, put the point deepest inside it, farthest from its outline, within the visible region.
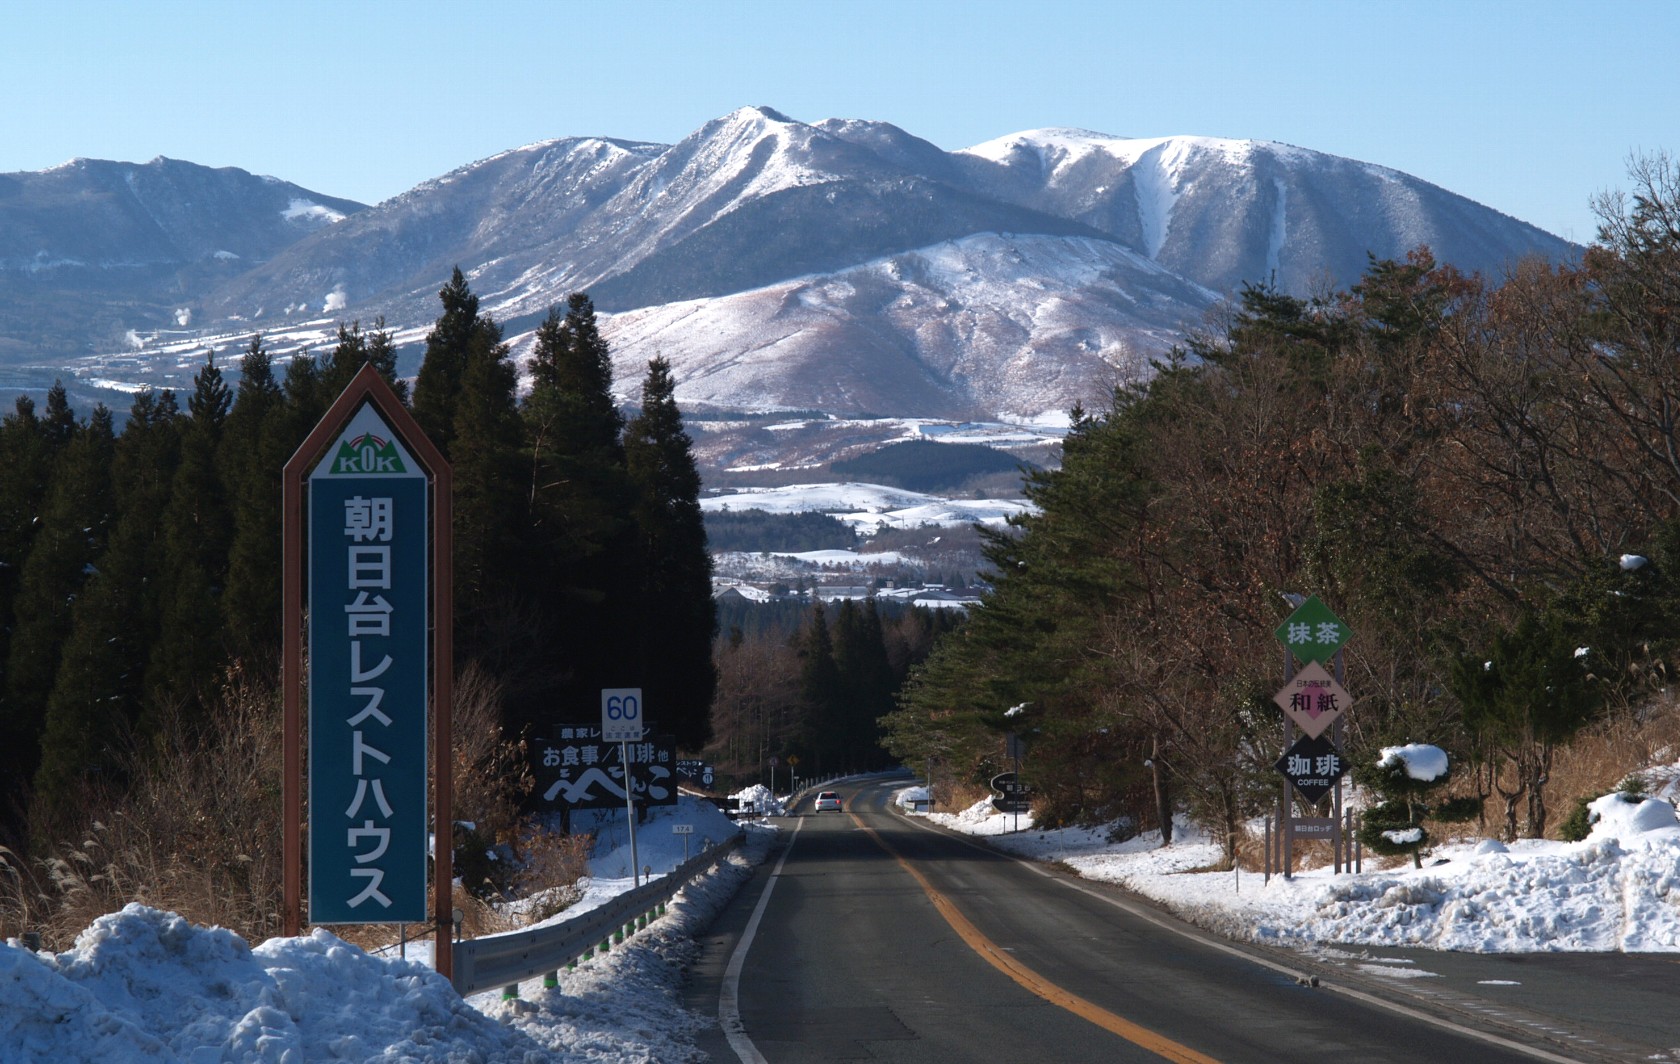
(254, 449)
(823, 734)
(487, 438)
(1522, 700)
(96, 694)
(1403, 778)
(581, 541)
(59, 421)
(26, 456)
(450, 347)
(75, 521)
(356, 349)
(197, 533)
(866, 683)
(678, 614)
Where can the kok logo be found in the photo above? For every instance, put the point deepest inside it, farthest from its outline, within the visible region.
(367, 453)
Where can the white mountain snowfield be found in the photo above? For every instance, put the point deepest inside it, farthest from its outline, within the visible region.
(869, 506)
(843, 264)
(144, 985)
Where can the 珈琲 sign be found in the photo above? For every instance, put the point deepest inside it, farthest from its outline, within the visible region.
(1312, 765)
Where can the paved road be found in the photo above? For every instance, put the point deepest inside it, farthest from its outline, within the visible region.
(882, 940)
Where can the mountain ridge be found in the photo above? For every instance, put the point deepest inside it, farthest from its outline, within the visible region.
(843, 264)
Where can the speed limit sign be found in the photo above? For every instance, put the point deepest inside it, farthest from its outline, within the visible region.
(621, 714)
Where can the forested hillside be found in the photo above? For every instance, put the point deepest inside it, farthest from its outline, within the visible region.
(1481, 476)
(139, 570)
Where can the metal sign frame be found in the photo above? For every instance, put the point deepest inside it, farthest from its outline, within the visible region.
(368, 388)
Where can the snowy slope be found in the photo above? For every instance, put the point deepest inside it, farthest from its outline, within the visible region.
(783, 264)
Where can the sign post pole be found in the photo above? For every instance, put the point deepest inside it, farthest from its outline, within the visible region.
(1313, 700)
(630, 811)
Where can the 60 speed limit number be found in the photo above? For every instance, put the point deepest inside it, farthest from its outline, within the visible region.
(621, 714)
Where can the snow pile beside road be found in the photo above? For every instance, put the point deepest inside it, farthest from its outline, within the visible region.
(147, 985)
(760, 800)
(1619, 890)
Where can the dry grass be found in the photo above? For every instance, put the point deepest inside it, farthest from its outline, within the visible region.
(197, 833)
(1604, 755)
(951, 796)
(550, 866)
(199, 830)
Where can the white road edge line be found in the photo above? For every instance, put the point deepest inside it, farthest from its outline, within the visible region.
(1204, 939)
(729, 995)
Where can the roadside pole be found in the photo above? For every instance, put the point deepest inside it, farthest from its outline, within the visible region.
(630, 811)
(621, 720)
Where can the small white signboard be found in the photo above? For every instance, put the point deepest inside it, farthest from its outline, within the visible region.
(621, 714)
(682, 829)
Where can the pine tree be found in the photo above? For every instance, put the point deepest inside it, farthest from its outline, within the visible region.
(59, 421)
(678, 614)
(356, 349)
(26, 456)
(580, 538)
(458, 332)
(824, 729)
(487, 437)
(75, 521)
(254, 449)
(197, 533)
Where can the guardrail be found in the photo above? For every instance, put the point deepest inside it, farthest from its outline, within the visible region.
(506, 960)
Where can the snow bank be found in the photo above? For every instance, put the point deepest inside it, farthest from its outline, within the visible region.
(144, 984)
(1617, 890)
(147, 985)
(760, 800)
(909, 796)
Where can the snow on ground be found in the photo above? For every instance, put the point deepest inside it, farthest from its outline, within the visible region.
(1617, 890)
(869, 506)
(146, 985)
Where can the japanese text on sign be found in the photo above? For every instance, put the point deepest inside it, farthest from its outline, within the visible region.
(367, 688)
(579, 769)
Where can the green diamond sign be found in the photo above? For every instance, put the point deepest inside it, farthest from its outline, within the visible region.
(1312, 632)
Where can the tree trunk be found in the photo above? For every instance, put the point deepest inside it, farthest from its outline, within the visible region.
(1163, 791)
(1511, 798)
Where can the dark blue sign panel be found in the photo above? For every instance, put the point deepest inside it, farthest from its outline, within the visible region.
(577, 769)
(367, 679)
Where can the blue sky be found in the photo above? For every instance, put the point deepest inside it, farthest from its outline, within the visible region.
(1528, 106)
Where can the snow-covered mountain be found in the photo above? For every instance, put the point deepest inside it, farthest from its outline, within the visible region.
(843, 265)
(91, 249)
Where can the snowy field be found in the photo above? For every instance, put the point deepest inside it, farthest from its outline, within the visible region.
(1617, 890)
(869, 507)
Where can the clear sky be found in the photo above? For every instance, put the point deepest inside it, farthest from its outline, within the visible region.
(1529, 106)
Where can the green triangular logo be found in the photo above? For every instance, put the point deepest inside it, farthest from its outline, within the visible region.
(367, 454)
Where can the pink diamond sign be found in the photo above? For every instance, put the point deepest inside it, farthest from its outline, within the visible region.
(1313, 699)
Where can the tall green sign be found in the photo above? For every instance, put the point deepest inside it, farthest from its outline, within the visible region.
(368, 644)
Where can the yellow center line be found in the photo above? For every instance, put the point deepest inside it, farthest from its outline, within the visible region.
(1143, 1037)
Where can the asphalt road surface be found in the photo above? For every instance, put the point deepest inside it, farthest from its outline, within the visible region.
(869, 936)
